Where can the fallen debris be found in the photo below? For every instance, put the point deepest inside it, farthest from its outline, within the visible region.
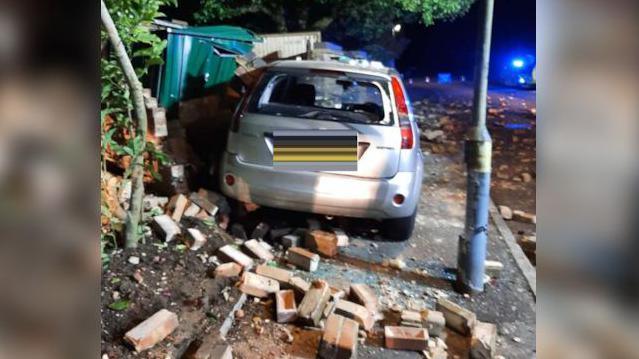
(521, 216)
(285, 306)
(166, 227)
(231, 253)
(281, 275)
(406, 338)
(324, 243)
(339, 339)
(342, 237)
(257, 285)
(151, 331)
(397, 263)
(357, 312)
(493, 268)
(180, 205)
(299, 285)
(505, 212)
(437, 349)
(256, 250)
(312, 306)
(197, 239)
(434, 321)
(302, 258)
(365, 295)
(433, 135)
(410, 318)
(192, 210)
(230, 269)
(484, 341)
(458, 318)
(203, 203)
(290, 240)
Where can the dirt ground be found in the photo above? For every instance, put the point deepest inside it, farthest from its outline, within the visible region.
(168, 276)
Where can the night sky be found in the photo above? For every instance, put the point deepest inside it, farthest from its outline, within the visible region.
(451, 46)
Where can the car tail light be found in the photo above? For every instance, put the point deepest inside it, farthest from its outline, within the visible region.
(407, 136)
(229, 180)
(402, 107)
(400, 98)
(398, 199)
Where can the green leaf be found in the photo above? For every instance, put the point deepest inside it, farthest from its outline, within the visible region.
(120, 304)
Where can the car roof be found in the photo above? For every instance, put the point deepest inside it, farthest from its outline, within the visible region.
(334, 66)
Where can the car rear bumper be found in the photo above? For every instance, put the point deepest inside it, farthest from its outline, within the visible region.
(320, 192)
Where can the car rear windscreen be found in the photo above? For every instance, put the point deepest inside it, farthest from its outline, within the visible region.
(323, 95)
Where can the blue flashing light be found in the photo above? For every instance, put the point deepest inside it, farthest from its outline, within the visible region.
(522, 80)
(518, 63)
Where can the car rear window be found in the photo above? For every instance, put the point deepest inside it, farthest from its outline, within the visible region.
(323, 95)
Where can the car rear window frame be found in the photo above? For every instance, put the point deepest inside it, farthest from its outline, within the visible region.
(269, 74)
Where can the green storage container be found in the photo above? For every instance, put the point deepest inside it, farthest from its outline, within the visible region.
(199, 58)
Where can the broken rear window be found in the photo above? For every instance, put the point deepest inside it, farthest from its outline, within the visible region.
(323, 95)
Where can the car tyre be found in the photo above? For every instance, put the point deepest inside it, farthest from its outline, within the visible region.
(399, 229)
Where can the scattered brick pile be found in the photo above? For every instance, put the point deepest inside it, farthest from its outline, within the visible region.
(345, 315)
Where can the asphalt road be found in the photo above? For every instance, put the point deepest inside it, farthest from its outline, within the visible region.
(431, 254)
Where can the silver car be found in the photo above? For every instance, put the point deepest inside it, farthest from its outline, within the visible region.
(329, 95)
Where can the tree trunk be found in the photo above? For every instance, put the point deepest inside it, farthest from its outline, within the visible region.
(137, 174)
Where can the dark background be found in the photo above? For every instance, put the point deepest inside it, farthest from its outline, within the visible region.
(450, 46)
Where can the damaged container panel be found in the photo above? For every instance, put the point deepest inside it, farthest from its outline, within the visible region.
(200, 58)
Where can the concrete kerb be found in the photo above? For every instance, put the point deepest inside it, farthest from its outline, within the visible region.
(228, 322)
(527, 269)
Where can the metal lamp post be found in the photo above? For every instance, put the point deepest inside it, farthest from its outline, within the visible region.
(478, 146)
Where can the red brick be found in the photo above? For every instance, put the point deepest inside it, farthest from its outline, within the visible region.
(357, 312)
(230, 253)
(180, 205)
(365, 295)
(342, 237)
(258, 286)
(312, 306)
(254, 249)
(522, 216)
(458, 318)
(152, 330)
(281, 275)
(192, 210)
(230, 269)
(484, 341)
(285, 306)
(410, 316)
(434, 321)
(324, 243)
(339, 339)
(166, 226)
(302, 258)
(197, 239)
(406, 338)
(300, 286)
(204, 203)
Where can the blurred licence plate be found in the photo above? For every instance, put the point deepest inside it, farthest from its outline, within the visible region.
(315, 150)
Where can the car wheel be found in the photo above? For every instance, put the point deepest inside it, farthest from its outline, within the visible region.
(399, 229)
